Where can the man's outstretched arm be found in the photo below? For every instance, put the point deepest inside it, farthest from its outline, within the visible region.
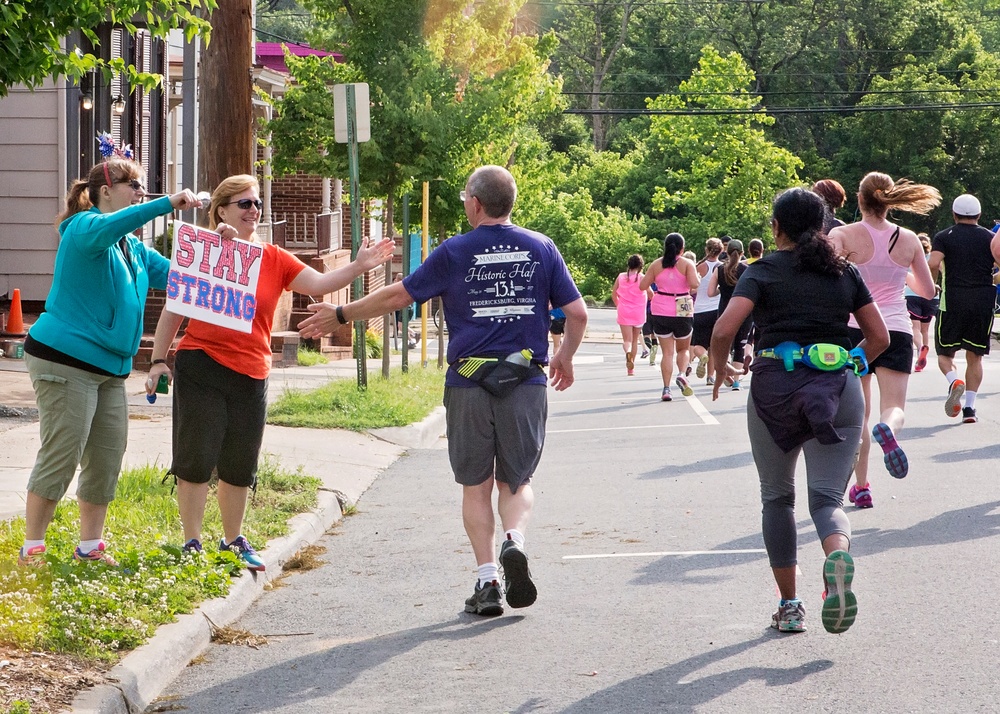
(324, 320)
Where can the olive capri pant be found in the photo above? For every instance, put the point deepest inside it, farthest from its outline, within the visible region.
(83, 421)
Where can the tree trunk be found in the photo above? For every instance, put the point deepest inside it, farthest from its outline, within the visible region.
(225, 131)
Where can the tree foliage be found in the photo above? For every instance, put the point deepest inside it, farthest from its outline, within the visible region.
(722, 171)
(594, 243)
(34, 32)
(450, 90)
(282, 20)
(800, 91)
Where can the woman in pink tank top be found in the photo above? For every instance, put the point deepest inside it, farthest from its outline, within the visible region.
(630, 302)
(671, 310)
(884, 254)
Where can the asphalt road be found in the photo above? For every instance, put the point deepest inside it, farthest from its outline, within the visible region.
(654, 591)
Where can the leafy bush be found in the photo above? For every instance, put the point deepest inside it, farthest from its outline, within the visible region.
(373, 346)
(595, 244)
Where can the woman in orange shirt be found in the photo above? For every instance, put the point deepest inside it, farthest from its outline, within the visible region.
(220, 374)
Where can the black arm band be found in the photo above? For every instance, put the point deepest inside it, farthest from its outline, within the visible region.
(340, 315)
(158, 361)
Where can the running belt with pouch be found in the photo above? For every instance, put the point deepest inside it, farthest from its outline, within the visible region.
(821, 356)
(499, 375)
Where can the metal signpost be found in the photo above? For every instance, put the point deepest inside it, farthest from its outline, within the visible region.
(352, 125)
(405, 340)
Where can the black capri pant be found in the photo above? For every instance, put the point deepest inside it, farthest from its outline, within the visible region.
(218, 421)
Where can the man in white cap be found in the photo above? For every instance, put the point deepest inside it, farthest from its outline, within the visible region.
(964, 255)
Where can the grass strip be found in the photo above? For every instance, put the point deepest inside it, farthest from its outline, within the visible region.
(404, 398)
(97, 612)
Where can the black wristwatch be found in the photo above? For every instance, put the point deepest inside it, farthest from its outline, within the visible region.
(340, 315)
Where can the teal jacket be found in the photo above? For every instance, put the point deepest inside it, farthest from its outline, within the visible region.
(94, 311)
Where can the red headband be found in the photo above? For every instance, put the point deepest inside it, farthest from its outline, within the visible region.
(106, 174)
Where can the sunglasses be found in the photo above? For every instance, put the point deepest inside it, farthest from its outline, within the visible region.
(136, 184)
(245, 203)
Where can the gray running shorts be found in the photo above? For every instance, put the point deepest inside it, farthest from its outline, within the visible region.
(490, 436)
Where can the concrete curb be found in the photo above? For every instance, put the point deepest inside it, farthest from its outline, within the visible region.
(415, 436)
(140, 677)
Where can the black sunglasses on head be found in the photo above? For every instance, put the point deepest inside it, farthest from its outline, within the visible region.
(245, 203)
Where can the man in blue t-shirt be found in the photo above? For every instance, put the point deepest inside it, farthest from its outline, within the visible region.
(496, 283)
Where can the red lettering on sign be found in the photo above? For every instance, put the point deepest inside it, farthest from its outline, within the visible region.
(225, 267)
(185, 251)
(208, 239)
(249, 254)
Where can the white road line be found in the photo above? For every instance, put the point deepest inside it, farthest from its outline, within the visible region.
(644, 398)
(660, 554)
(706, 416)
(702, 411)
(587, 359)
(624, 428)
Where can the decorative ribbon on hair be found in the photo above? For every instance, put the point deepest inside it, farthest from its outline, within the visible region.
(106, 145)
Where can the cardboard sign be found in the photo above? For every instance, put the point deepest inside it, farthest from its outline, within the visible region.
(212, 279)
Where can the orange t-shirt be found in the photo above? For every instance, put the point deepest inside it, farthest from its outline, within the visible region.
(248, 353)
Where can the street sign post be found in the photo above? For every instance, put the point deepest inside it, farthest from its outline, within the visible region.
(351, 125)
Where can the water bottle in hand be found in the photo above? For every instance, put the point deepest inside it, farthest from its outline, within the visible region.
(162, 387)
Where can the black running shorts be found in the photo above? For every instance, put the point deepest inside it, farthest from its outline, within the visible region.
(898, 356)
(966, 328)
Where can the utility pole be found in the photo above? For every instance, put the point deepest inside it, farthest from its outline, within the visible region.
(225, 128)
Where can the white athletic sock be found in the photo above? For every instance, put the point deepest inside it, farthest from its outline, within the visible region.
(488, 572)
(32, 544)
(516, 536)
(970, 399)
(951, 377)
(88, 545)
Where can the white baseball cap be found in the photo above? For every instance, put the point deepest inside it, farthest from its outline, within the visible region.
(966, 205)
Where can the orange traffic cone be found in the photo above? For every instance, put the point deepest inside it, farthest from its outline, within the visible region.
(15, 321)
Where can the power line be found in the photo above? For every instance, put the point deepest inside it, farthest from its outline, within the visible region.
(644, 3)
(658, 93)
(784, 75)
(285, 39)
(784, 110)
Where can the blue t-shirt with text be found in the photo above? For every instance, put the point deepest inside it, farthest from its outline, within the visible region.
(495, 283)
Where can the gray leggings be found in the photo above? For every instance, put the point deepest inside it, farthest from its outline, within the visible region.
(828, 471)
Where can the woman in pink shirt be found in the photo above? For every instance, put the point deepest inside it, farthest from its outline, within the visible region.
(884, 253)
(630, 301)
(672, 310)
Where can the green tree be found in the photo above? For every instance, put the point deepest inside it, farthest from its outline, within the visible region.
(282, 20)
(591, 35)
(34, 30)
(910, 144)
(952, 150)
(449, 91)
(594, 243)
(720, 171)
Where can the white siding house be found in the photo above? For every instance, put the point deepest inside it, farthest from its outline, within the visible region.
(32, 187)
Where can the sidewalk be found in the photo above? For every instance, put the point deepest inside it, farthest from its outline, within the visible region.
(346, 462)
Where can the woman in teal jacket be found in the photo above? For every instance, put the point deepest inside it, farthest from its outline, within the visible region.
(80, 350)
